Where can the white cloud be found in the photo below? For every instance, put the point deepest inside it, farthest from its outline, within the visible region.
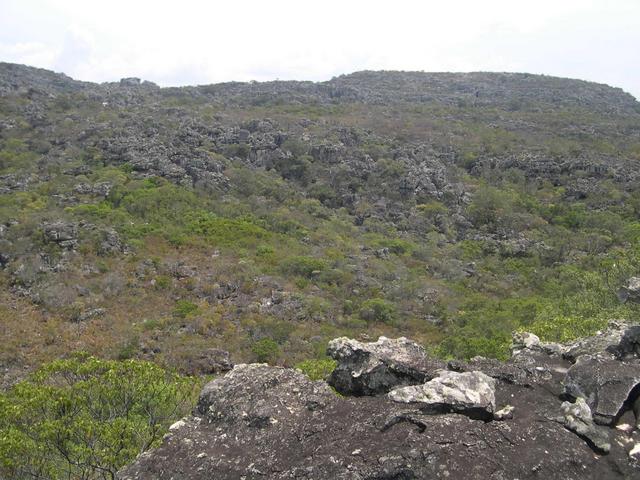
(195, 42)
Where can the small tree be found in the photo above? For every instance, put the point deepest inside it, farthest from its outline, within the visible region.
(85, 418)
(378, 310)
(266, 350)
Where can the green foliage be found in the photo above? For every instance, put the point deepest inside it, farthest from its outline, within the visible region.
(226, 231)
(397, 246)
(492, 207)
(266, 350)
(377, 310)
(85, 418)
(317, 369)
(184, 308)
(240, 150)
(296, 168)
(566, 328)
(431, 208)
(303, 266)
(467, 343)
(162, 282)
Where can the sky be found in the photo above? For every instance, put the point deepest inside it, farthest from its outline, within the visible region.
(189, 42)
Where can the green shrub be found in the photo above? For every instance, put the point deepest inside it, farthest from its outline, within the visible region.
(219, 231)
(162, 282)
(566, 328)
(86, 418)
(265, 251)
(184, 308)
(378, 310)
(266, 350)
(128, 348)
(317, 369)
(303, 266)
(467, 343)
(397, 246)
(241, 150)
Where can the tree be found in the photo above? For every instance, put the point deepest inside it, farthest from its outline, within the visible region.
(84, 418)
(266, 350)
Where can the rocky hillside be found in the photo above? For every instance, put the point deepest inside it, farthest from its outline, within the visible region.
(151, 237)
(552, 411)
(264, 219)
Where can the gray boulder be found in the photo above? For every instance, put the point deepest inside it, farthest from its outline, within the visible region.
(469, 393)
(529, 342)
(631, 291)
(605, 342)
(111, 243)
(629, 345)
(577, 418)
(212, 361)
(377, 367)
(62, 233)
(268, 422)
(606, 385)
(524, 340)
(284, 393)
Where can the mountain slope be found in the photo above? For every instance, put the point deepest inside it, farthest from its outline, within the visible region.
(267, 218)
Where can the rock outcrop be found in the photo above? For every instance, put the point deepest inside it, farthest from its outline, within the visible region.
(577, 418)
(377, 367)
(469, 393)
(608, 386)
(62, 233)
(259, 421)
(631, 291)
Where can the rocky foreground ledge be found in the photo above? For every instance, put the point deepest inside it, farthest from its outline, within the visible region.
(551, 412)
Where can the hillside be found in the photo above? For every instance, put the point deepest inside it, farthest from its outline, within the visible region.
(264, 219)
(151, 238)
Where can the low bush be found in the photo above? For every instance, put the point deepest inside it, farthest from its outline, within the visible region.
(266, 350)
(303, 266)
(317, 369)
(377, 310)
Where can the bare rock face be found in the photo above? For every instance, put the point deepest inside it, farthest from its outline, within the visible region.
(259, 422)
(284, 394)
(377, 367)
(469, 393)
(577, 418)
(608, 386)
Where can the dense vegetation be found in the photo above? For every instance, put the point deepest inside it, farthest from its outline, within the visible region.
(85, 418)
(266, 219)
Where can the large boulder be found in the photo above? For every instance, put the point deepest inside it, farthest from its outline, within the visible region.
(260, 395)
(62, 233)
(631, 291)
(577, 418)
(212, 361)
(377, 367)
(608, 386)
(629, 345)
(469, 393)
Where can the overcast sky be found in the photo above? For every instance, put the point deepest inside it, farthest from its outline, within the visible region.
(197, 42)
